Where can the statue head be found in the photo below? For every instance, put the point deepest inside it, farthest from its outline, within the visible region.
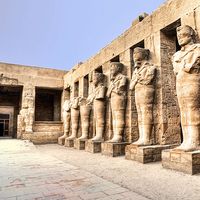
(115, 68)
(140, 54)
(98, 78)
(185, 35)
(67, 105)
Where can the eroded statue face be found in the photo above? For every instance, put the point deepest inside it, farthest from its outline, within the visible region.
(137, 56)
(114, 70)
(184, 37)
(95, 79)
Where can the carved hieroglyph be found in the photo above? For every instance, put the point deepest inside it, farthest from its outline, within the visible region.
(117, 92)
(66, 120)
(186, 63)
(97, 98)
(142, 83)
(75, 112)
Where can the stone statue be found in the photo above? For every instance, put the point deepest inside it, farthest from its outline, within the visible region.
(66, 121)
(142, 83)
(85, 110)
(27, 112)
(186, 64)
(117, 92)
(74, 117)
(97, 98)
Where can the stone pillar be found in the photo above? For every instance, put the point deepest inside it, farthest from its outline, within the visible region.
(26, 117)
(131, 129)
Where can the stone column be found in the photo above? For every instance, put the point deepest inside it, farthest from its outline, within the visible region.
(26, 117)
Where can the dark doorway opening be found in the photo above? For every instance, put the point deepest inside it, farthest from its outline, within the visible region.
(10, 105)
(1, 129)
(48, 104)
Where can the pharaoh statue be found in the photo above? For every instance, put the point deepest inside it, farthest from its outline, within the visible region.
(74, 117)
(186, 64)
(143, 85)
(117, 92)
(97, 98)
(66, 121)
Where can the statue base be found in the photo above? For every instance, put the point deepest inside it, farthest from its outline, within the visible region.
(79, 144)
(61, 141)
(113, 149)
(93, 146)
(145, 154)
(69, 142)
(187, 162)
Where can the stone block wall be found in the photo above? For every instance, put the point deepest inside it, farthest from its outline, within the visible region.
(156, 32)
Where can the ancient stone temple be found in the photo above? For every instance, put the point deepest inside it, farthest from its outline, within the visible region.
(138, 97)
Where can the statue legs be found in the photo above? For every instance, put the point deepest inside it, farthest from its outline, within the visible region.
(85, 121)
(118, 105)
(66, 127)
(144, 104)
(145, 117)
(99, 115)
(189, 103)
(74, 122)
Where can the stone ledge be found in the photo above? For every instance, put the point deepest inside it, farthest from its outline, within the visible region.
(69, 142)
(145, 154)
(93, 146)
(79, 144)
(187, 162)
(113, 149)
(45, 137)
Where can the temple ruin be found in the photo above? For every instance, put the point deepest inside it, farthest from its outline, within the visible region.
(103, 105)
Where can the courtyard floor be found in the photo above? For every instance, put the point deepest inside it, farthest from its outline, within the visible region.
(53, 172)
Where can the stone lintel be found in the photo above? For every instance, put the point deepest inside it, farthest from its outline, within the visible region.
(145, 154)
(93, 146)
(113, 149)
(69, 142)
(187, 162)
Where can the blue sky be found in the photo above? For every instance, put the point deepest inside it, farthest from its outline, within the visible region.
(60, 33)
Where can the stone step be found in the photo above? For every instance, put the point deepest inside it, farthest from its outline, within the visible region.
(47, 137)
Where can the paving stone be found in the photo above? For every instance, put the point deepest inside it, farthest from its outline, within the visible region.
(27, 173)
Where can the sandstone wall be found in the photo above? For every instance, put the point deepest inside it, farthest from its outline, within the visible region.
(157, 33)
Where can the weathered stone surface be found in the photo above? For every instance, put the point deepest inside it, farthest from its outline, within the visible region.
(187, 162)
(115, 118)
(69, 142)
(143, 84)
(186, 64)
(93, 146)
(45, 137)
(145, 154)
(79, 144)
(113, 149)
(118, 95)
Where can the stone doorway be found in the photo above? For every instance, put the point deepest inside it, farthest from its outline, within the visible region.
(4, 125)
(10, 104)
